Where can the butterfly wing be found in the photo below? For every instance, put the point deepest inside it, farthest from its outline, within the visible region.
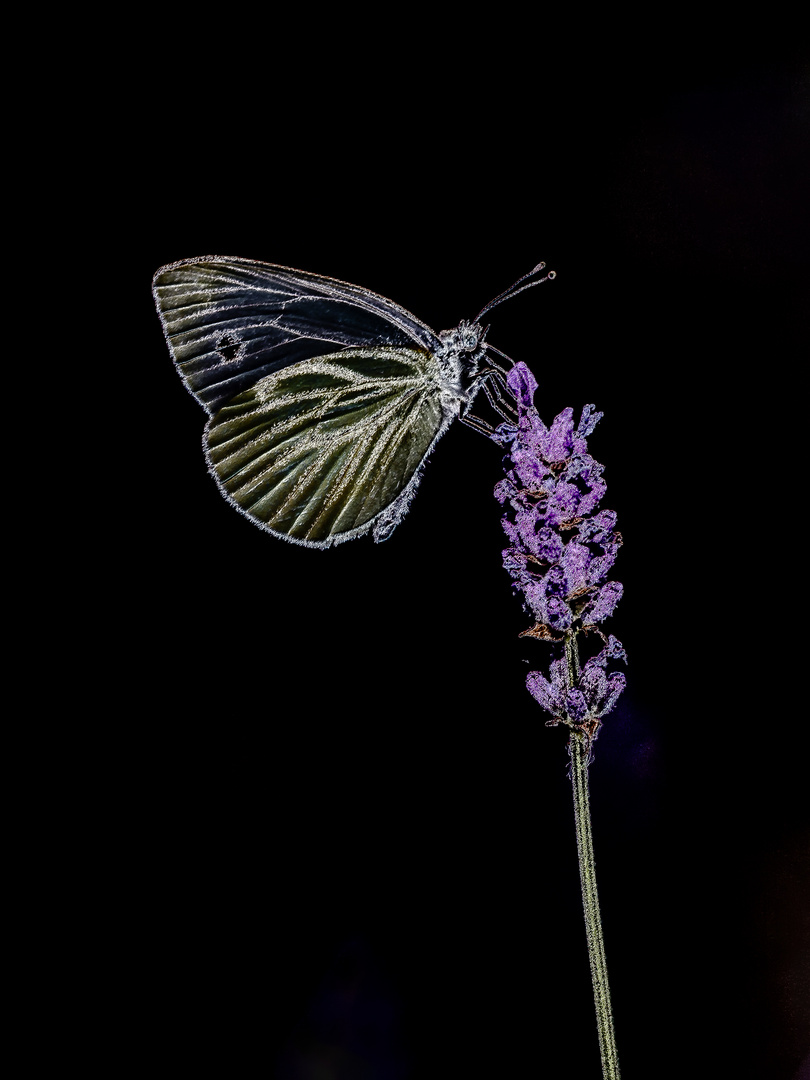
(229, 322)
(322, 451)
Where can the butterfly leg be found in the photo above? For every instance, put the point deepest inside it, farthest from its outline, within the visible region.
(494, 384)
(477, 424)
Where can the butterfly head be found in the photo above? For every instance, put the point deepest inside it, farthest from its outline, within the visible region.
(467, 341)
(467, 336)
(461, 353)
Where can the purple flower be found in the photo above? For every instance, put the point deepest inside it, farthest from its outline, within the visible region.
(561, 550)
(593, 693)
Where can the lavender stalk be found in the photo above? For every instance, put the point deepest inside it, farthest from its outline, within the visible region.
(561, 549)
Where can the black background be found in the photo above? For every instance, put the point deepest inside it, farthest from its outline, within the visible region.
(348, 849)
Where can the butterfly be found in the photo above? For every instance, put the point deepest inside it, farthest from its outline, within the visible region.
(324, 399)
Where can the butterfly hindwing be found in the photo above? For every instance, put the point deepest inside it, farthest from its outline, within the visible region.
(229, 322)
(324, 450)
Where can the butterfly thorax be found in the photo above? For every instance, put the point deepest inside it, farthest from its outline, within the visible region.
(460, 355)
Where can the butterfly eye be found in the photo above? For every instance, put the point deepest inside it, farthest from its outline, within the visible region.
(469, 338)
(466, 336)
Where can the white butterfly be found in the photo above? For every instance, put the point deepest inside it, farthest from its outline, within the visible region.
(324, 399)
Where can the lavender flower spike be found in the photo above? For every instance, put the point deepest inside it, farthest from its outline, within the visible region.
(561, 550)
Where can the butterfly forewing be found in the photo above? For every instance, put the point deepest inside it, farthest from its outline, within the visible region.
(318, 451)
(230, 322)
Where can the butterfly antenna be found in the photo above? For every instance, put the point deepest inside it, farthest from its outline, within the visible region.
(518, 287)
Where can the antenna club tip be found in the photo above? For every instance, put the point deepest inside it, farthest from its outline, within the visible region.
(552, 274)
(540, 266)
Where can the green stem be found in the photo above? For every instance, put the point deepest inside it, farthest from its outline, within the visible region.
(579, 748)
